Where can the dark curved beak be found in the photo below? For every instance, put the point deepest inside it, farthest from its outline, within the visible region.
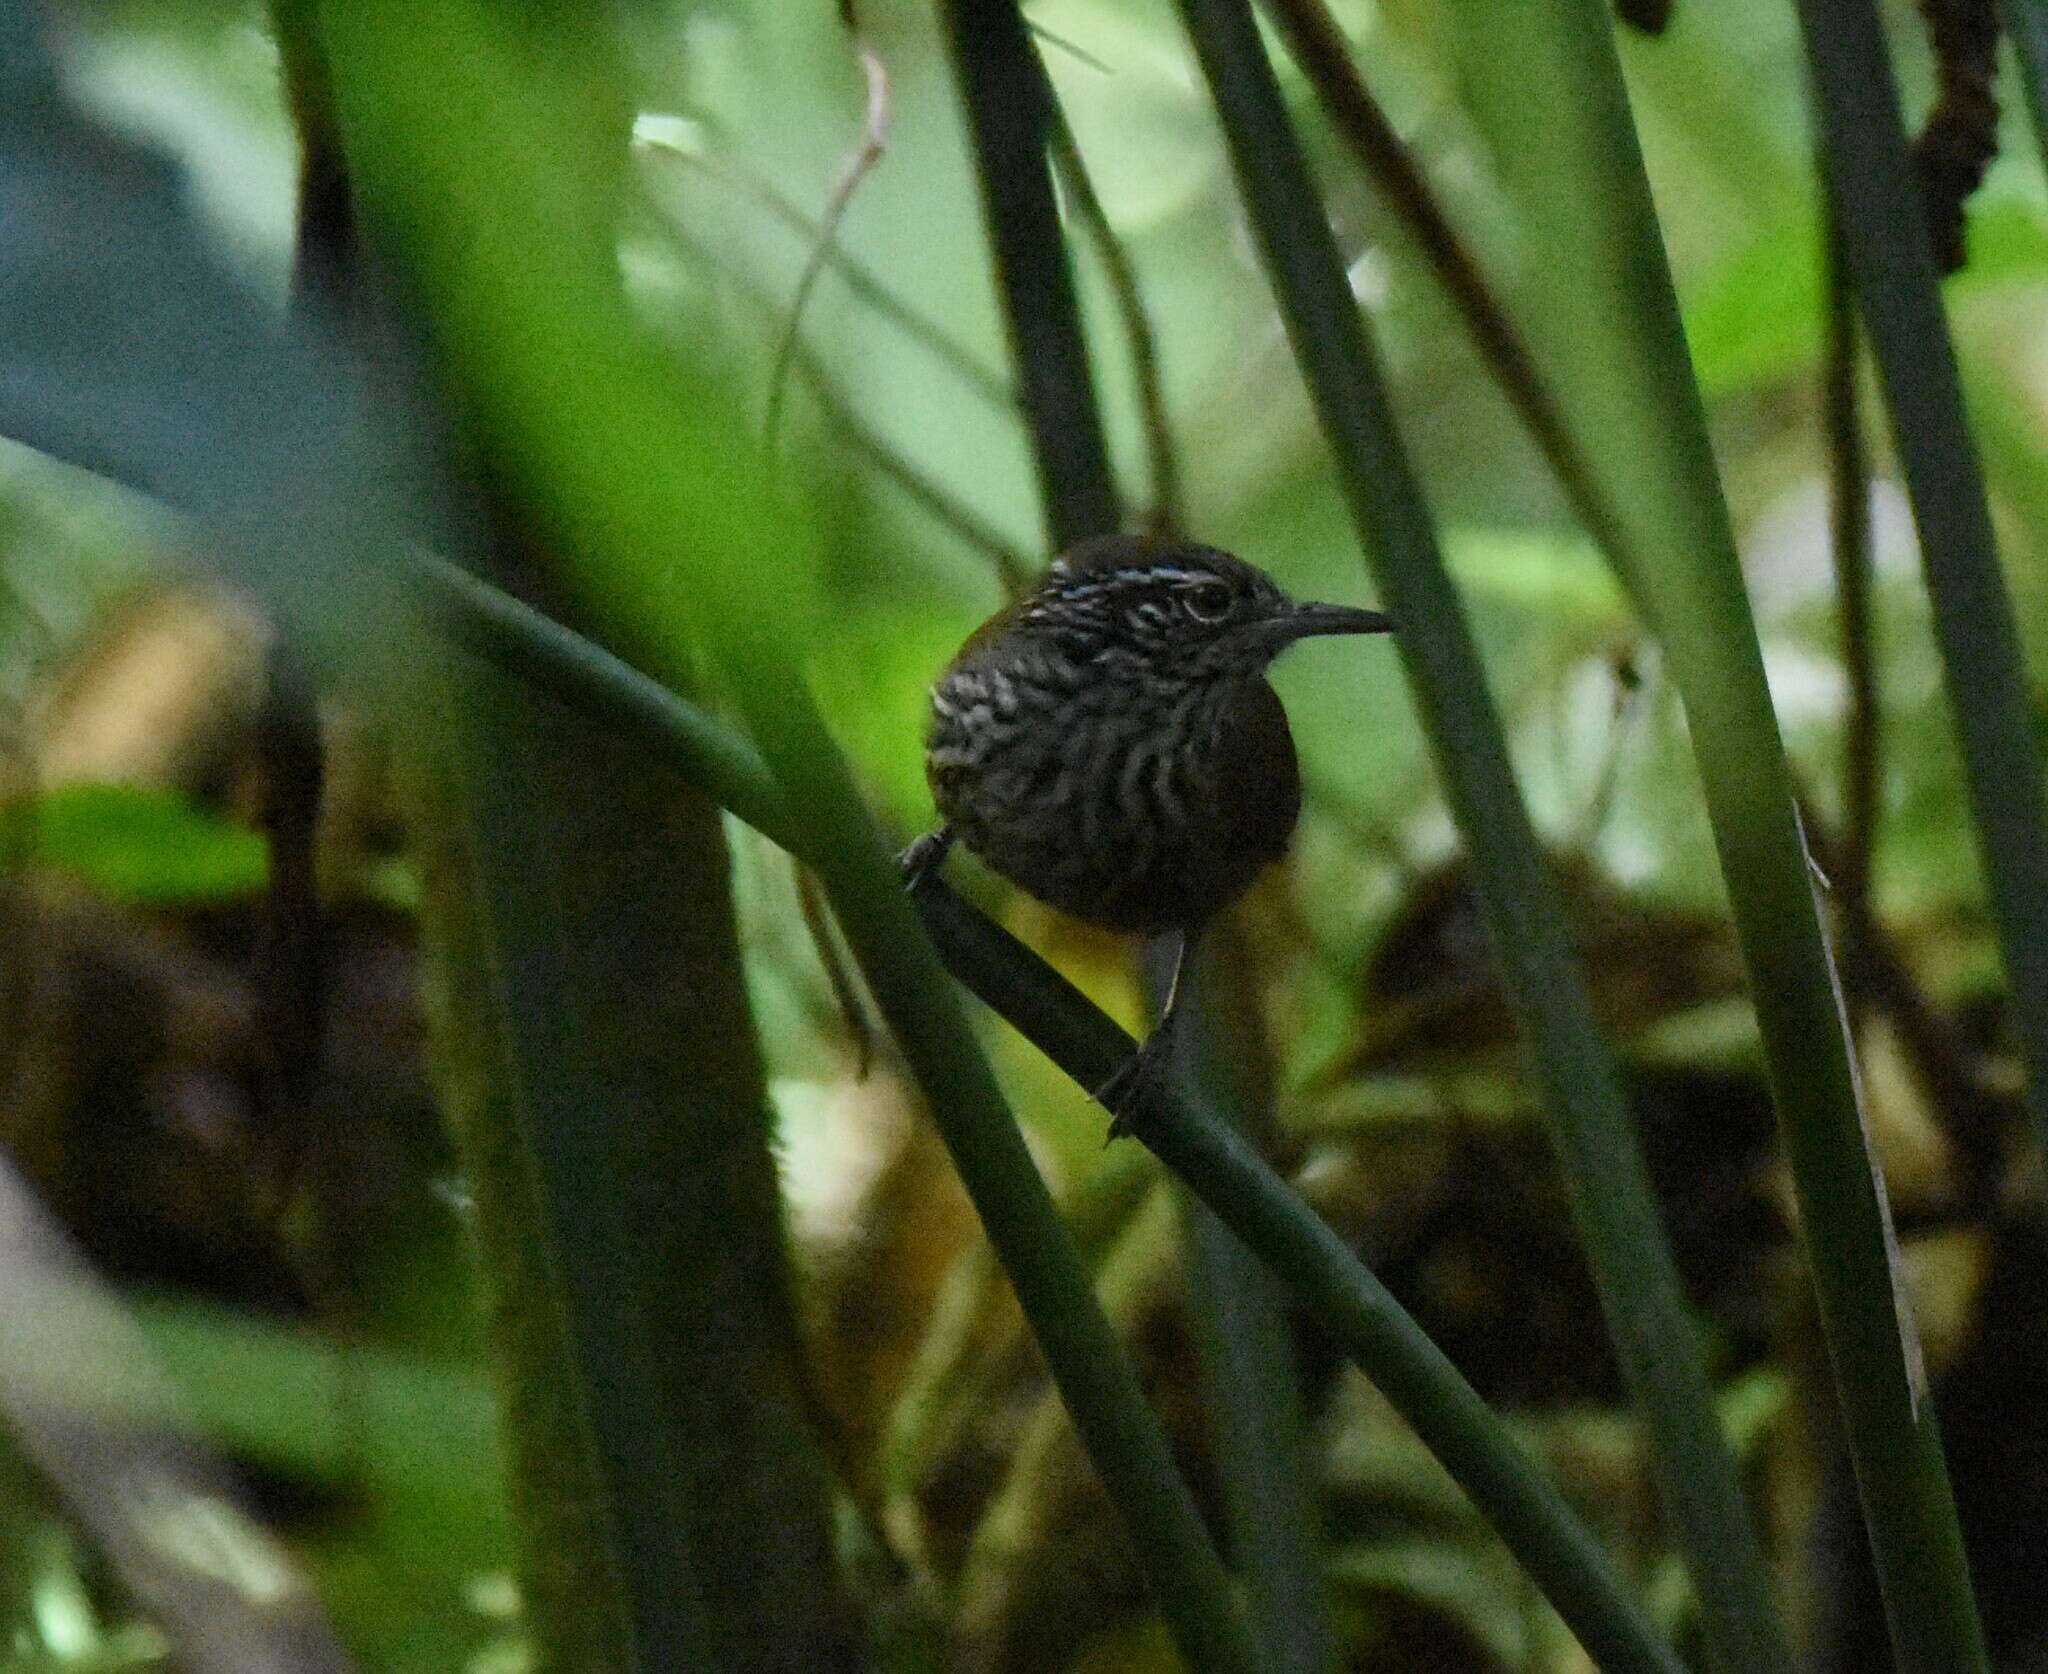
(1305, 621)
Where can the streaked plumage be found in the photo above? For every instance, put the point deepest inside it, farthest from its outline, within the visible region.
(1110, 743)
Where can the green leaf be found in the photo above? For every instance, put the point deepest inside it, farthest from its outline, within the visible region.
(142, 844)
(1757, 318)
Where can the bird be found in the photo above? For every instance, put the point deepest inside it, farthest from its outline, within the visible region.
(1109, 743)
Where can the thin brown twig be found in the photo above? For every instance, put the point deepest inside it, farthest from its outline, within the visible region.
(1164, 516)
(874, 138)
(940, 504)
(866, 286)
(1960, 136)
(1072, 49)
(817, 917)
(290, 967)
(1319, 48)
(1875, 972)
(1625, 718)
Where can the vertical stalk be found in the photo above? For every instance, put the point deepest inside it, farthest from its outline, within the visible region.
(1549, 82)
(1270, 1498)
(1885, 245)
(1004, 90)
(1849, 518)
(1647, 1317)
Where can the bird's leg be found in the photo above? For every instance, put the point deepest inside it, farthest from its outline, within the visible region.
(924, 856)
(1119, 1095)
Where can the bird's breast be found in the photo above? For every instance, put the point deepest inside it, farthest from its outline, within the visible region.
(1138, 806)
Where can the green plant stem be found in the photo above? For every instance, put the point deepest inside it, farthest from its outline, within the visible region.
(1003, 89)
(1229, 1175)
(1263, 1451)
(1885, 247)
(1165, 515)
(1549, 83)
(1256, 1417)
(1647, 1317)
(1849, 519)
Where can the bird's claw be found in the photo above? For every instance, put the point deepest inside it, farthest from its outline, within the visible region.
(922, 857)
(1126, 1088)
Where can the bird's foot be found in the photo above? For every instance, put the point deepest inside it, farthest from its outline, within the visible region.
(923, 857)
(1132, 1082)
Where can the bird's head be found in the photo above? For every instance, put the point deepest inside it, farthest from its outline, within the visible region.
(1176, 606)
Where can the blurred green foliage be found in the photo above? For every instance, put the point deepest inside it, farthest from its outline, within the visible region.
(145, 845)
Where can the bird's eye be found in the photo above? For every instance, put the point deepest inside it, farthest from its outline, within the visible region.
(1207, 601)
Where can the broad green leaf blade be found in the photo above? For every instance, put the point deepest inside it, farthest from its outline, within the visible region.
(592, 419)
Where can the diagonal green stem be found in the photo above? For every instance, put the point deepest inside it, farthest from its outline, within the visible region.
(1226, 1173)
